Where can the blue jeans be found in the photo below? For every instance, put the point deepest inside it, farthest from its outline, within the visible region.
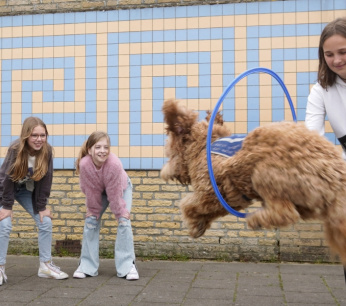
(123, 250)
(24, 198)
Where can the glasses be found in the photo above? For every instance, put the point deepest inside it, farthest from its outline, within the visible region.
(36, 136)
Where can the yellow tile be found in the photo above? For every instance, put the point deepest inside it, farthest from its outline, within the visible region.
(80, 130)
(289, 18)
(216, 22)
(124, 151)
(68, 151)
(216, 92)
(90, 28)
(239, 21)
(102, 27)
(27, 31)
(38, 52)
(265, 89)
(16, 32)
(135, 48)
(216, 69)
(124, 94)
(48, 52)
(181, 69)
(135, 25)
(17, 53)
(124, 139)
(240, 91)
(290, 42)
(69, 29)
(240, 33)
(240, 127)
(16, 96)
(192, 70)
(158, 47)
(45, 107)
(56, 129)
(205, 22)
(339, 14)
(266, 116)
(192, 23)
(124, 49)
(181, 23)
(240, 103)
(6, 53)
(315, 17)
(327, 16)
(181, 46)
(169, 46)
(266, 103)
(146, 48)
(158, 128)
(59, 29)
(124, 82)
(314, 41)
(135, 151)
(277, 18)
(101, 126)
(158, 70)
(123, 115)
(240, 44)
(302, 17)
(216, 79)
(277, 42)
(79, 28)
(57, 107)
(115, 150)
(252, 20)
(28, 53)
(193, 81)
(48, 29)
(79, 106)
(124, 26)
(48, 74)
(102, 71)
(265, 55)
(157, 24)
(101, 39)
(216, 57)
(290, 77)
(147, 25)
(38, 30)
(264, 19)
(90, 128)
(290, 66)
(58, 84)
(146, 151)
(101, 95)
(69, 129)
(205, 104)
(146, 127)
(147, 115)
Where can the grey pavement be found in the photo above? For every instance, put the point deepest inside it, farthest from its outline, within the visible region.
(193, 283)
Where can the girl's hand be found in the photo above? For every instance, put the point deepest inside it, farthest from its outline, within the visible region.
(45, 213)
(5, 213)
(126, 216)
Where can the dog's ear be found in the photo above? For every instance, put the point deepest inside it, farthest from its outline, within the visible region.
(178, 118)
(218, 117)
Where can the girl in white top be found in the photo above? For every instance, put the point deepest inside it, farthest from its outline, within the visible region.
(328, 95)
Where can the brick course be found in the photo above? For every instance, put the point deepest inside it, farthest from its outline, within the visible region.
(159, 231)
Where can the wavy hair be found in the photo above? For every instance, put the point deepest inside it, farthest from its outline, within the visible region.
(19, 168)
(92, 139)
(326, 77)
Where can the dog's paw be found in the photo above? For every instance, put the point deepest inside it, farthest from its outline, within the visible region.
(253, 223)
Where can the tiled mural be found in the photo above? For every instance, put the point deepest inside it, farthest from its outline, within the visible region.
(112, 70)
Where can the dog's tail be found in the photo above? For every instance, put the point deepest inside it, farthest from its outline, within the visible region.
(335, 229)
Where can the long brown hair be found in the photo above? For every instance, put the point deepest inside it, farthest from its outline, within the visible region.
(92, 139)
(326, 77)
(19, 168)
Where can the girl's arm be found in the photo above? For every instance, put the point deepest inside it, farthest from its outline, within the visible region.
(7, 185)
(91, 186)
(44, 186)
(116, 183)
(315, 110)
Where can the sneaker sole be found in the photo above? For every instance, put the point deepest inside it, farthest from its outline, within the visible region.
(50, 276)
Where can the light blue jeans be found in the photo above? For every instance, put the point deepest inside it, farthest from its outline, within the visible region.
(24, 198)
(123, 250)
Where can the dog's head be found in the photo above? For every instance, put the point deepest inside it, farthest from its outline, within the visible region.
(186, 139)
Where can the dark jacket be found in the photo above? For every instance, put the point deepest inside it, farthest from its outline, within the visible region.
(8, 188)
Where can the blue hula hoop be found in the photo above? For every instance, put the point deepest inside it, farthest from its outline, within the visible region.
(210, 129)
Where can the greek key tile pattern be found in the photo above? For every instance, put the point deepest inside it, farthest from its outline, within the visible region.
(112, 70)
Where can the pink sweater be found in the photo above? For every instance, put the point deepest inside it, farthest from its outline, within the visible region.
(111, 178)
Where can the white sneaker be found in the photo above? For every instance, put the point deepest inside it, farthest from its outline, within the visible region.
(133, 274)
(3, 277)
(50, 270)
(79, 274)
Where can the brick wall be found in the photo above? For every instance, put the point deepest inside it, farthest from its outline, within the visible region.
(18, 7)
(159, 231)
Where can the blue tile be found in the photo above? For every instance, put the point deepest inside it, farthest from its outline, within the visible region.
(252, 8)
(181, 12)
(158, 13)
(147, 13)
(146, 163)
(27, 20)
(135, 163)
(264, 8)
(169, 12)
(135, 140)
(240, 9)
(59, 18)
(113, 15)
(192, 11)
(303, 6)
(339, 4)
(17, 21)
(290, 6)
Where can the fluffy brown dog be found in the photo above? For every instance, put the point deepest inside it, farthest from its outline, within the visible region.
(293, 172)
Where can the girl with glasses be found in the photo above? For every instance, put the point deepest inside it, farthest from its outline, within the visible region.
(26, 176)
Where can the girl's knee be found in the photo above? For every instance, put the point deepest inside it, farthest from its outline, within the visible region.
(124, 222)
(91, 223)
(46, 224)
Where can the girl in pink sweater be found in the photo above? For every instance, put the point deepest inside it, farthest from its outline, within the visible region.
(105, 183)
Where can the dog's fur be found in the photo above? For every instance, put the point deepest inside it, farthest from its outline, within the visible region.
(294, 172)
